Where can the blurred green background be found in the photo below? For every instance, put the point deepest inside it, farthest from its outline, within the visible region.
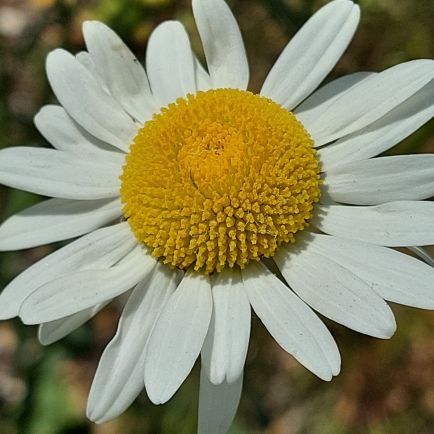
(384, 387)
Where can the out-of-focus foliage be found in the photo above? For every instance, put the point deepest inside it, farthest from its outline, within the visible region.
(384, 387)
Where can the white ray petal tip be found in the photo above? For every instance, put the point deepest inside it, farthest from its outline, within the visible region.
(341, 2)
(89, 23)
(336, 369)
(196, 3)
(356, 11)
(40, 113)
(56, 54)
(427, 64)
(353, 8)
(98, 414)
(217, 377)
(333, 369)
(5, 244)
(90, 26)
(327, 377)
(156, 394)
(27, 315)
(383, 328)
(7, 313)
(93, 414)
(166, 25)
(328, 372)
(56, 59)
(388, 329)
(9, 302)
(158, 391)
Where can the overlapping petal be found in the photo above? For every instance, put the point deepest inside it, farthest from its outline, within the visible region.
(291, 322)
(393, 224)
(84, 58)
(335, 291)
(217, 404)
(87, 102)
(423, 254)
(326, 95)
(383, 179)
(171, 75)
(56, 220)
(79, 290)
(381, 135)
(393, 275)
(57, 174)
(225, 347)
(121, 71)
(312, 53)
(119, 377)
(177, 337)
(98, 250)
(53, 331)
(367, 102)
(64, 134)
(222, 43)
(203, 80)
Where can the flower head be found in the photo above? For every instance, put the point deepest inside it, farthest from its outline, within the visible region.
(219, 179)
(180, 184)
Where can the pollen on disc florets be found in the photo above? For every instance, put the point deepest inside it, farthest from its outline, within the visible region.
(219, 178)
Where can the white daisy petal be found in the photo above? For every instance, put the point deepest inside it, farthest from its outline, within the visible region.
(80, 290)
(335, 291)
(382, 134)
(217, 404)
(53, 331)
(324, 98)
(56, 220)
(122, 72)
(171, 75)
(382, 179)
(393, 275)
(229, 331)
(119, 379)
(99, 249)
(222, 43)
(54, 173)
(177, 338)
(216, 205)
(394, 224)
(84, 58)
(87, 103)
(203, 80)
(312, 53)
(368, 102)
(64, 134)
(423, 254)
(291, 322)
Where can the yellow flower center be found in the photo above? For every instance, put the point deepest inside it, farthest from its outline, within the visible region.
(218, 179)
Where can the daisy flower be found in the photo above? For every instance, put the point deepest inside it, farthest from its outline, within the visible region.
(205, 200)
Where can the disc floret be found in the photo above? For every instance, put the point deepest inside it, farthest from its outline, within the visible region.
(218, 179)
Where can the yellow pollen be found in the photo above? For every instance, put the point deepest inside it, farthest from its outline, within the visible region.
(218, 179)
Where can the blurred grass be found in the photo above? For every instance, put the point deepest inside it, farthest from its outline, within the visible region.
(384, 387)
